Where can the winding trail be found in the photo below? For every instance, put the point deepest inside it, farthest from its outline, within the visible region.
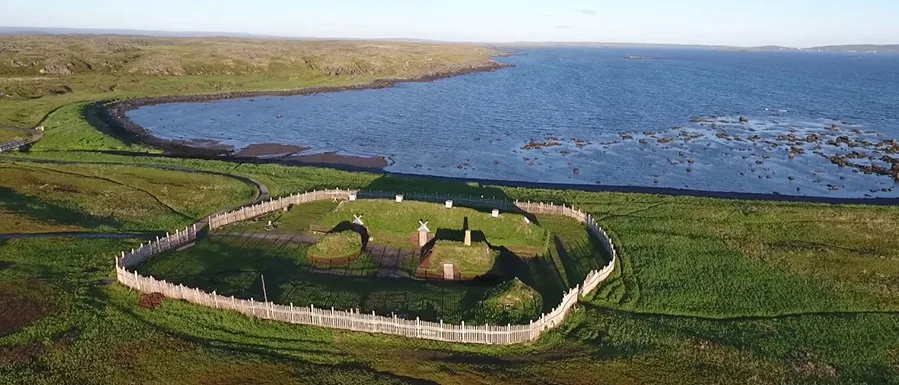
(113, 181)
(262, 193)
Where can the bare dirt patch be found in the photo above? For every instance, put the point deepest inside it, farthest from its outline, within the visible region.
(808, 364)
(22, 303)
(150, 301)
(21, 355)
(239, 374)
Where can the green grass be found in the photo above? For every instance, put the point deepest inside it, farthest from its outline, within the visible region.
(766, 297)
(76, 127)
(44, 198)
(184, 343)
(392, 222)
(511, 302)
(96, 333)
(750, 258)
(11, 134)
(574, 250)
(708, 291)
(471, 261)
(299, 220)
(337, 245)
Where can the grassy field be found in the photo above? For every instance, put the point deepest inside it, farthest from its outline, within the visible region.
(772, 293)
(11, 134)
(758, 258)
(708, 291)
(47, 198)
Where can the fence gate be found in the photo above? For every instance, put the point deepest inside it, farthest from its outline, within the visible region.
(449, 271)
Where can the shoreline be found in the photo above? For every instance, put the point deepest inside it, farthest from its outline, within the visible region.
(113, 113)
(486, 183)
(666, 191)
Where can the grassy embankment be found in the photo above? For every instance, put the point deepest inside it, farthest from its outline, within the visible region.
(337, 245)
(472, 261)
(512, 302)
(709, 291)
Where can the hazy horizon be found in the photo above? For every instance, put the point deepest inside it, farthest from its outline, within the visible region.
(790, 23)
(28, 30)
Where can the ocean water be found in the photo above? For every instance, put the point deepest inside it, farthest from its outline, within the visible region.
(671, 120)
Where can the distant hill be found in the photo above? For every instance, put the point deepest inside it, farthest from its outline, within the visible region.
(132, 32)
(526, 44)
(870, 48)
(774, 48)
(35, 31)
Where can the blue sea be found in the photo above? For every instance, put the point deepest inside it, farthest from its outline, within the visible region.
(594, 116)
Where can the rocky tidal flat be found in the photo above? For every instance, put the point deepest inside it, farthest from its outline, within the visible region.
(814, 157)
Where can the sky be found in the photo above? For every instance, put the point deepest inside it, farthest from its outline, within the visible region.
(794, 23)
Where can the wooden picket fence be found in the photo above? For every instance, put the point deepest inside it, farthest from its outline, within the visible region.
(353, 319)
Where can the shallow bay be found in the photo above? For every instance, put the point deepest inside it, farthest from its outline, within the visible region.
(592, 116)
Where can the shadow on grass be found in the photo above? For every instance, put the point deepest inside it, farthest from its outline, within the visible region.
(237, 268)
(296, 352)
(13, 202)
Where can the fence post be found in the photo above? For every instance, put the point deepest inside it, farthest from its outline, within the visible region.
(291, 312)
(418, 327)
(463, 331)
(531, 331)
(441, 330)
(215, 299)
